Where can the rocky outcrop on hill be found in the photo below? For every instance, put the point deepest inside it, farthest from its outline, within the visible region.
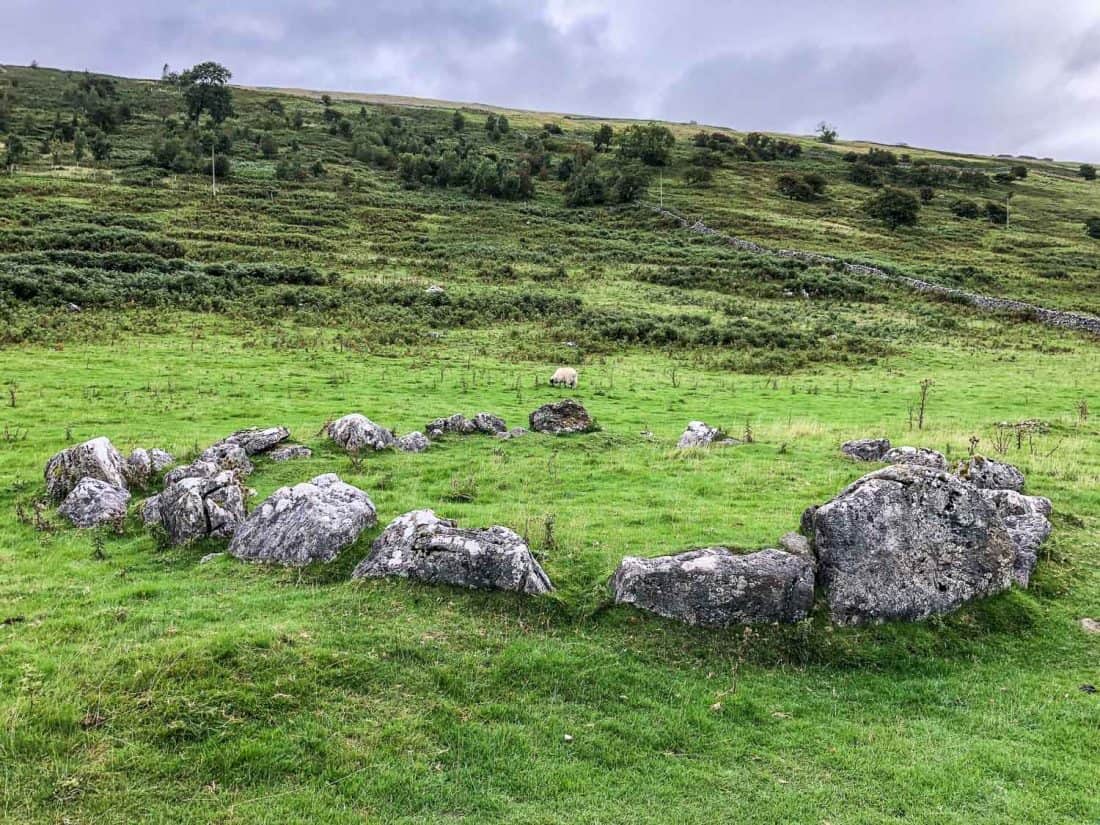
(420, 545)
(714, 587)
(309, 522)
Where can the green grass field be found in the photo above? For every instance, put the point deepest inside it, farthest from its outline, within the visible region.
(137, 685)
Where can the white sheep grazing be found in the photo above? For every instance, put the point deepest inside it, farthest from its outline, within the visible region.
(564, 377)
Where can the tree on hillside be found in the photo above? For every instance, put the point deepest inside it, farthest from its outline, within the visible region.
(1087, 171)
(894, 207)
(601, 141)
(826, 132)
(458, 121)
(205, 89)
(16, 152)
(1092, 226)
(651, 144)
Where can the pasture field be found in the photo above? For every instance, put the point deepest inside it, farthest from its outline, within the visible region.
(138, 685)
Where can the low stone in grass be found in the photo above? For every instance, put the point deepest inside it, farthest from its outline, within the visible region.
(714, 587)
(93, 502)
(866, 449)
(419, 545)
(356, 432)
(562, 418)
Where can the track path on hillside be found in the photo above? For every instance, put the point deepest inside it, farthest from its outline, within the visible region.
(1050, 317)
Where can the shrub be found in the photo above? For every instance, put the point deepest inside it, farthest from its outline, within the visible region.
(997, 213)
(927, 193)
(806, 187)
(1087, 171)
(864, 174)
(1019, 172)
(965, 209)
(894, 207)
(585, 187)
(974, 180)
(651, 144)
(1092, 226)
(698, 175)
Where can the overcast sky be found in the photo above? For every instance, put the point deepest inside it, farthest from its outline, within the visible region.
(973, 75)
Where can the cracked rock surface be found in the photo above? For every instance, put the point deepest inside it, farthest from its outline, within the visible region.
(93, 502)
(96, 458)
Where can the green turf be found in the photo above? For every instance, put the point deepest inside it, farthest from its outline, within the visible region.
(137, 685)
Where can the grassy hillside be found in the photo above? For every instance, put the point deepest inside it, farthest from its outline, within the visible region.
(139, 685)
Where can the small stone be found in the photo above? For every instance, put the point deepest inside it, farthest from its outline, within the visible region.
(290, 452)
(414, 442)
(866, 449)
(699, 434)
(490, 424)
(1091, 626)
(567, 738)
(209, 557)
(356, 432)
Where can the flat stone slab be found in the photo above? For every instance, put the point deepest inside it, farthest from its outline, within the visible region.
(714, 587)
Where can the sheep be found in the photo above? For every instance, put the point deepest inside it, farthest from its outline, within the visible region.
(564, 377)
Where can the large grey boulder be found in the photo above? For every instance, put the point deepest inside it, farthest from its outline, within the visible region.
(93, 502)
(356, 432)
(699, 434)
(918, 456)
(713, 587)
(907, 542)
(866, 449)
(96, 458)
(562, 418)
(1027, 519)
(143, 464)
(990, 475)
(308, 522)
(196, 507)
(255, 440)
(413, 442)
(420, 545)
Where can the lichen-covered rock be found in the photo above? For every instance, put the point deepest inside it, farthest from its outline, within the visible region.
(356, 432)
(306, 523)
(93, 502)
(798, 545)
(96, 458)
(488, 423)
(990, 475)
(202, 507)
(918, 456)
(420, 545)
(150, 511)
(456, 424)
(866, 449)
(1027, 519)
(290, 452)
(699, 434)
(143, 464)
(907, 542)
(254, 440)
(413, 442)
(713, 587)
(561, 418)
(213, 461)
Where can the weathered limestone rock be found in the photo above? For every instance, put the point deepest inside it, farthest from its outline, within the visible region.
(919, 456)
(96, 458)
(93, 502)
(866, 449)
(254, 440)
(306, 523)
(490, 424)
(456, 424)
(990, 475)
(1027, 519)
(699, 434)
(713, 587)
(907, 542)
(197, 507)
(212, 462)
(515, 432)
(413, 442)
(561, 418)
(143, 464)
(356, 432)
(150, 511)
(420, 545)
(798, 545)
(290, 452)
